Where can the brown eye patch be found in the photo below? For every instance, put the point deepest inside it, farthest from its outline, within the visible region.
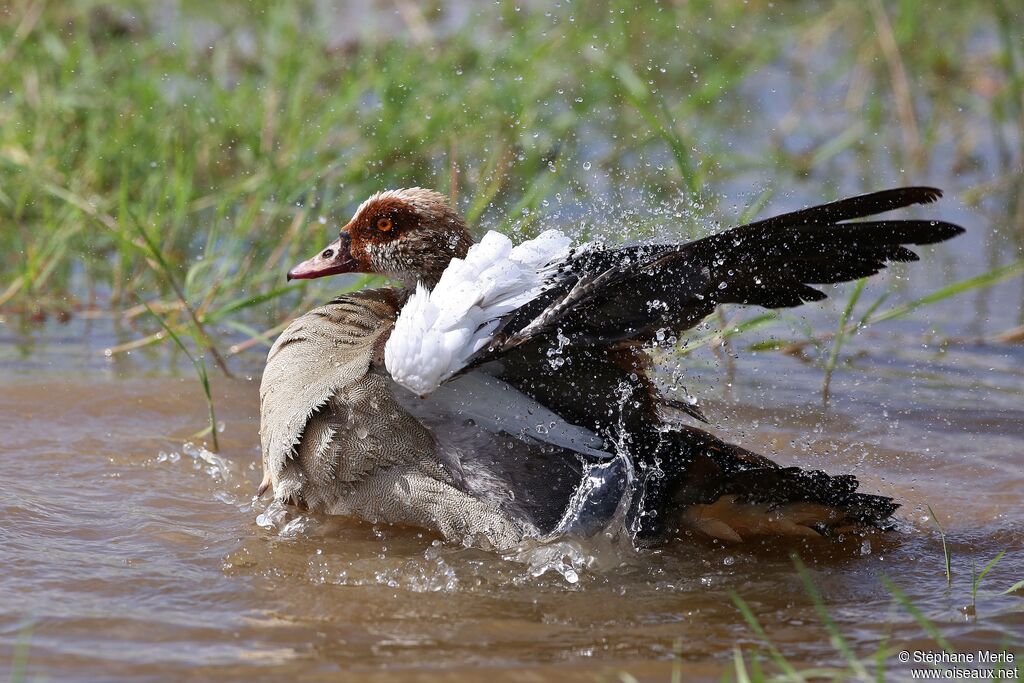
(384, 224)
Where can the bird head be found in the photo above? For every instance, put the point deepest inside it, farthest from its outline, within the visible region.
(409, 235)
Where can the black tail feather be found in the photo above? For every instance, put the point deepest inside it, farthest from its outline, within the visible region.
(698, 468)
(783, 485)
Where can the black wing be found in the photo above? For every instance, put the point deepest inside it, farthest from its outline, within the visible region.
(606, 296)
(605, 304)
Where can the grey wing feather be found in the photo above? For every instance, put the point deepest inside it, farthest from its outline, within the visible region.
(321, 353)
(358, 433)
(335, 439)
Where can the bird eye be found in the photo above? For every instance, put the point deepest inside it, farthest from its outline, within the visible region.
(384, 224)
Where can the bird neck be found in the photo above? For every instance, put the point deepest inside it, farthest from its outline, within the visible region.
(410, 280)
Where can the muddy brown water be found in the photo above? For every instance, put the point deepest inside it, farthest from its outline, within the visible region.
(129, 555)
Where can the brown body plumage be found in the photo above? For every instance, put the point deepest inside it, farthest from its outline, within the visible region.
(336, 440)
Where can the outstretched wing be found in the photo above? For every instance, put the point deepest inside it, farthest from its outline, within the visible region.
(607, 296)
(501, 298)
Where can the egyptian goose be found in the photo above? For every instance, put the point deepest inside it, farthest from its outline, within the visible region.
(501, 392)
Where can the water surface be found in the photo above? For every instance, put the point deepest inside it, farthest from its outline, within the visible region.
(131, 555)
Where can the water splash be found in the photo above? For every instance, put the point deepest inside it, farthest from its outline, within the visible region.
(215, 466)
(430, 573)
(283, 519)
(568, 558)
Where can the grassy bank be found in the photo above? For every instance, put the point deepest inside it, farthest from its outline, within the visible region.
(176, 158)
(228, 131)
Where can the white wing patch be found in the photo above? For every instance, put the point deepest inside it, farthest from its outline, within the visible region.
(437, 331)
(496, 406)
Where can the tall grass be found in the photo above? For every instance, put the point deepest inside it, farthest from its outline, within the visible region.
(187, 158)
(200, 368)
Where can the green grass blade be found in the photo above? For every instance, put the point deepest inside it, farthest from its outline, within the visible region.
(976, 578)
(732, 330)
(755, 626)
(945, 548)
(835, 635)
(990, 566)
(754, 208)
(677, 661)
(871, 310)
(989, 279)
(243, 303)
(165, 271)
(19, 663)
(200, 368)
(840, 337)
(916, 613)
(740, 666)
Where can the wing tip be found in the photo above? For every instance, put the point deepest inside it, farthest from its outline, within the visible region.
(940, 231)
(924, 194)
